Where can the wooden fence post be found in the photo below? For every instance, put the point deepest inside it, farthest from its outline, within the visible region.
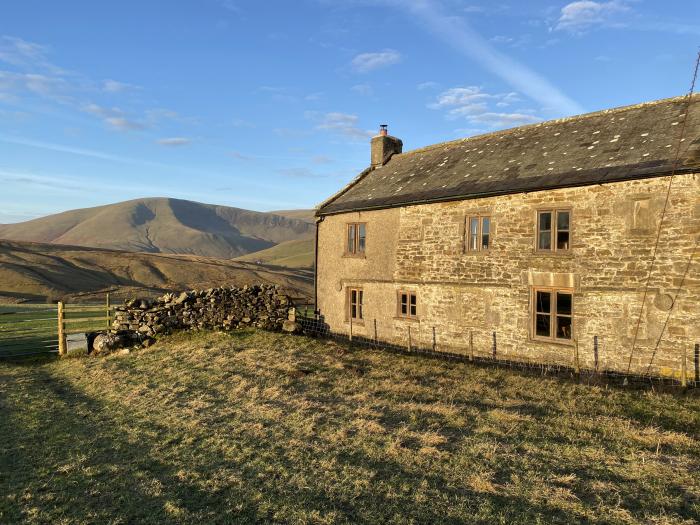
(351, 328)
(577, 365)
(109, 313)
(434, 340)
(684, 369)
(595, 353)
(375, 332)
(61, 330)
(697, 364)
(471, 345)
(494, 345)
(409, 337)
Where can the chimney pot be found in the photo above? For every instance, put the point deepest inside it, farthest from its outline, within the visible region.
(383, 130)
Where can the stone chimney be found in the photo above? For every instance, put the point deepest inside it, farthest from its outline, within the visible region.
(384, 146)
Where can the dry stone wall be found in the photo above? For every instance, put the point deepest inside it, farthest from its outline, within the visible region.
(261, 306)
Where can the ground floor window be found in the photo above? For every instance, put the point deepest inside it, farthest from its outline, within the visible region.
(407, 304)
(552, 314)
(355, 299)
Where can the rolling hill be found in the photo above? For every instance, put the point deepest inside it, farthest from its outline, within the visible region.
(303, 215)
(40, 272)
(292, 254)
(164, 225)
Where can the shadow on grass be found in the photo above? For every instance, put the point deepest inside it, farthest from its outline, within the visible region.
(66, 455)
(70, 459)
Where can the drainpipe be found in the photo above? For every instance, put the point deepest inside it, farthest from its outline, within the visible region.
(319, 220)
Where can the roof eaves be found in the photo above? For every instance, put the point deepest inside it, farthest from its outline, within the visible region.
(495, 193)
(354, 181)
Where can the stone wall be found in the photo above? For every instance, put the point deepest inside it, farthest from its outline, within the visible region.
(613, 230)
(261, 306)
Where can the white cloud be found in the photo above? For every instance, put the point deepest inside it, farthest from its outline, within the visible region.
(49, 146)
(504, 120)
(458, 34)
(314, 97)
(35, 75)
(230, 5)
(125, 124)
(366, 62)
(501, 39)
(341, 123)
(13, 84)
(24, 54)
(114, 86)
(114, 117)
(474, 105)
(363, 89)
(174, 141)
(582, 15)
(427, 85)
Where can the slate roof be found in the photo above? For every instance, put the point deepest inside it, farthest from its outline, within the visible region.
(619, 144)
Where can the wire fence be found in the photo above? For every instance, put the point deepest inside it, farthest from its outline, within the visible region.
(28, 330)
(50, 329)
(314, 325)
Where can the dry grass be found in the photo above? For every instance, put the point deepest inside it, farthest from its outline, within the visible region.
(258, 427)
(76, 274)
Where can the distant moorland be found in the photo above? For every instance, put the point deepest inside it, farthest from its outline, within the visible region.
(44, 272)
(162, 225)
(147, 246)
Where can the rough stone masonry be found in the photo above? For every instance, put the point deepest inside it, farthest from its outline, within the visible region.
(261, 306)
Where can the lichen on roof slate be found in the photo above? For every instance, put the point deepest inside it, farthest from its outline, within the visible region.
(613, 145)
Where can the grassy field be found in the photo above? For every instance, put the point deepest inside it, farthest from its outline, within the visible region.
(30, 329)
(291, 254)
(259, 427)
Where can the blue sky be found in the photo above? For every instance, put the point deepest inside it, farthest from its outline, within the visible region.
(270, 105)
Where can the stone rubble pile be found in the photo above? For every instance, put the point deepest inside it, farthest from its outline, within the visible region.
(262, 306)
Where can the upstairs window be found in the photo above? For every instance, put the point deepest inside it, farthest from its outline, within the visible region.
(478, 234)
(356, 239)
(355, 298)
(552, 314)
(408, 305)
(553, 230)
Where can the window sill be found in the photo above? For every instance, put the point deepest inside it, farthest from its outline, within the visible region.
(554, 253)
(560, 342)
(476, 253)
(356, 322)
(354, 256)
(410, 319)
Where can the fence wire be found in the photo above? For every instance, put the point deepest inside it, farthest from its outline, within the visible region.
(315, 326)
(28, 330)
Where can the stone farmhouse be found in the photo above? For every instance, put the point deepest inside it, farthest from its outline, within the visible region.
(533, 244)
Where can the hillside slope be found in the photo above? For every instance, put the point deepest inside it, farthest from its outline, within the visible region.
(291, 254)
(304, 215)
(163, 225)
(40, 272)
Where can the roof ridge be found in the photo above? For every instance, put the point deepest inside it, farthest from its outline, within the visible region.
(560, 120)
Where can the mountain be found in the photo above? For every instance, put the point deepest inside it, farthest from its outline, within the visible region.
(163, 225)
(291, 254)
(45, 272)
(304, 215)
